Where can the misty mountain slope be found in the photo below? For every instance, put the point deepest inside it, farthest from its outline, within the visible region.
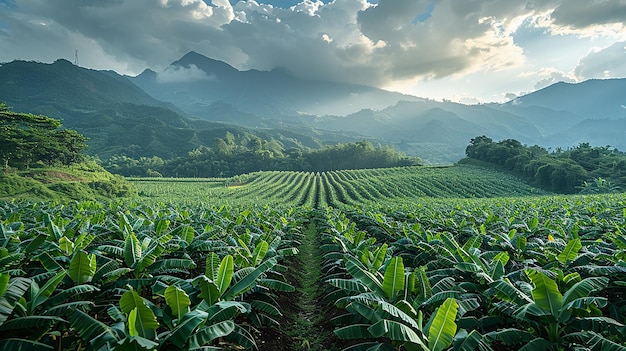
(591, 99)
(118, 117)
(194, 82)
(30, 84)
(597, 132)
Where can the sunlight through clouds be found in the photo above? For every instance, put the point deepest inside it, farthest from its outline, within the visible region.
(399, 44)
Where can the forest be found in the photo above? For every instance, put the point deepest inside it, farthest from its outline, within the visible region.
(583, 168)
(230, 156)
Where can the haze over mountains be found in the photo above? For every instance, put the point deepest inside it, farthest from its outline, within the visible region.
(179, 108)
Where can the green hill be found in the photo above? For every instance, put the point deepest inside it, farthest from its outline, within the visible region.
(77, 182)
(120, 118)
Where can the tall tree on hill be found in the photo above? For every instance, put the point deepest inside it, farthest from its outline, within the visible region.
(26, 138)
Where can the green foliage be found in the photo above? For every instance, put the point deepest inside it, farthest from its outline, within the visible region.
(563, 171)
(231, 156)
(26, 139)
(81, 181)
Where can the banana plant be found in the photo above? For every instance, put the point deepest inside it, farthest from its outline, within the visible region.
(549, 319)
(385, 309)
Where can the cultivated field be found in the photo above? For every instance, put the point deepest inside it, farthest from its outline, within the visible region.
(452, 258)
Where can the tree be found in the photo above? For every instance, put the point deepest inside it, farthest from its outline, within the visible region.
(27, 138)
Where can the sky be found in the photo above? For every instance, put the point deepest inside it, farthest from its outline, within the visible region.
(471, 51)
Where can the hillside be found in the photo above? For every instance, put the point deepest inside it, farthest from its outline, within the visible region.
(84, 181)
(118, 117)
(195, 83)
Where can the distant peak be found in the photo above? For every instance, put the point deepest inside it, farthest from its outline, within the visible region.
(206, 64)
(62, 62)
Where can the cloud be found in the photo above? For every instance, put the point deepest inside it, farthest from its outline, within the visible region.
(353, 41)
(585, 14)
(179, 74)
(603, 62)
(551, 76)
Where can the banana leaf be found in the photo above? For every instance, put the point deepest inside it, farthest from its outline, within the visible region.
(443, 328)
(393, 281)
(82, 267)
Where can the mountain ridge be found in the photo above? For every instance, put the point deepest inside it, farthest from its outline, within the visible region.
(266, 101)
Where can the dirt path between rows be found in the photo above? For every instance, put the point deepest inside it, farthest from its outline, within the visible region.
(304, 325)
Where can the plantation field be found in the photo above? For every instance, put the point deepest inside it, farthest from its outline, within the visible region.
(340, 188)
(450, 258)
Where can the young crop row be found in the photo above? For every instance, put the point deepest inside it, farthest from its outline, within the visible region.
(339, 188)
(520, 273)
(90, 276)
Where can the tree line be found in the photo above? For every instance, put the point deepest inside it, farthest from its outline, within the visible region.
(583, 168)
(230, 156)
(27, 139)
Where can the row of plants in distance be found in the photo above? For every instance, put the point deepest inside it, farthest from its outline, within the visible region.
(539, 273)
(347, 187)
(124, 276)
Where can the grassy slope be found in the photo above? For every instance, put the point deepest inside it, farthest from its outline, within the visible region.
(78, 182)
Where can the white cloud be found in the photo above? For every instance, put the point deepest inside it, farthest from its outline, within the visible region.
(549, 76)
(603, 62)
(391, 43)
(179, 74)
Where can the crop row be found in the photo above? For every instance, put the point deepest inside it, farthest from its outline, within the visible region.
(339, 188)
(519, 273)
(125, 276)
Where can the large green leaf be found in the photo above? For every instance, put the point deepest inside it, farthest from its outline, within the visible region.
(145, 321)
(379, 257)
(212, 266)
(225, 274)
(259, 252)
(187, 324)
(88, 328)
(396, 331)
(82, 267)
(132, 249)
(178, 300)
(249, 280)
(570, 252)
(40, 295)
(355, 268)
(443, 328)
(545, 292)
(4, 282)
(209, 333)
(277, 285)
(354, 331)
(208, 290)
(225, 310)
(148, 258)
(11, 344)
(393, 281)
(584, 287)
(370, 346)
(15, 289)
(136, 343)
(30, 322)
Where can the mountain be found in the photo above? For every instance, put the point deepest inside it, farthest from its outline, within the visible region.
(62, 84)
(591, 99)
(195, 82)
(150, 114)
(118, 117)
